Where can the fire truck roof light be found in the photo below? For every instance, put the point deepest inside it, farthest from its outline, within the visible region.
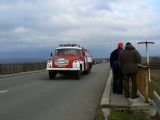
(69, 45)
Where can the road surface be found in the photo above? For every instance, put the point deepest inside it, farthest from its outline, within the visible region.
(34, 97)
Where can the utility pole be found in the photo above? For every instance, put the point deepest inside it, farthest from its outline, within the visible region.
(147, 55)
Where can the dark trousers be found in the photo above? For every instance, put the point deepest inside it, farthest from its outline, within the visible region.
(117, 85)
(126, 85)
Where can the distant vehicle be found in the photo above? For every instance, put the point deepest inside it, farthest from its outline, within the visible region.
(69, 58)
(93, 62)
(104, 61)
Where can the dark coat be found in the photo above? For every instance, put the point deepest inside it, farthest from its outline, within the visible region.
(114, 58)
(129, 59)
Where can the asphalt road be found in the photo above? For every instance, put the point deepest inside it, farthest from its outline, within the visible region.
(35, 97)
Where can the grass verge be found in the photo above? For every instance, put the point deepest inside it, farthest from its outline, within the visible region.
(100, 114)
(126, 115)
(155, 82)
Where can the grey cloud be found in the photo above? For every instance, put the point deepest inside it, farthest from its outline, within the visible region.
(39, 24)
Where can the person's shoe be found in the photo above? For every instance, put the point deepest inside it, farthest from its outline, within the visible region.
(134, 97)
(120, 93)
(127, 96)
(114, 92)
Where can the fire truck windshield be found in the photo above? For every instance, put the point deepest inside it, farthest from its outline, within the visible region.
(68, 52)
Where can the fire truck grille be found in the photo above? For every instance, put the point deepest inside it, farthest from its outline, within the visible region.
(61, 61)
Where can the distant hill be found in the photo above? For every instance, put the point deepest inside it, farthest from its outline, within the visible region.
(155, 62)
(100, 60)
(35, 60)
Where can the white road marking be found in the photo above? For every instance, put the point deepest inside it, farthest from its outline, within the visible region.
(3, 91)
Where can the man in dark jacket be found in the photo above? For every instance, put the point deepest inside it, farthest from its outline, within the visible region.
(128, 62)
(117, 85)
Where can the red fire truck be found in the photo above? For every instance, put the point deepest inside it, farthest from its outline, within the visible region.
(69, 58)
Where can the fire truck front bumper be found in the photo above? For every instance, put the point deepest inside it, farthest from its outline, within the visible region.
(64, 69)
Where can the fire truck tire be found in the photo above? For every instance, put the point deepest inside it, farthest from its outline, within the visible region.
(78, 74)
(52, 74)
(88, 71)
(90, 67)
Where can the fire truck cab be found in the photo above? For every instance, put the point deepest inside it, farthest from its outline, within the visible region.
(69, 58)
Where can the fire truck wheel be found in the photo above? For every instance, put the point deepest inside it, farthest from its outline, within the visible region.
(90, 67)
(87, 71)
(78, 74)
(52, 74)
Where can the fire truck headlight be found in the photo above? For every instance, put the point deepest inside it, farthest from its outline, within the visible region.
(49, 64)
(76, 64)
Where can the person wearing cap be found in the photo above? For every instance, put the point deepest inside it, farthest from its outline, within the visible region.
(117, 85)
(129, 58)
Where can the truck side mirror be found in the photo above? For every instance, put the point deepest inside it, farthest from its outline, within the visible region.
(51, 54)
(83, 53)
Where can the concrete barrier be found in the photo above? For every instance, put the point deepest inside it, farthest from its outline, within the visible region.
(105, 100)
(16, 68)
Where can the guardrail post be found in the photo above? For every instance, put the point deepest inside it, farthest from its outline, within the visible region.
(147, 85)
(36, 65)
(0, 69)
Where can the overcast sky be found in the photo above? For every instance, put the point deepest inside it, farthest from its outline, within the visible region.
(32, 28)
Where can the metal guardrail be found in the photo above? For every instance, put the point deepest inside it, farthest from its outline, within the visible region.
(16, 68)
(143, 81)
(156, 101)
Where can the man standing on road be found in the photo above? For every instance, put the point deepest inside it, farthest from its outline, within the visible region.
(117, 85)
(128, 62)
